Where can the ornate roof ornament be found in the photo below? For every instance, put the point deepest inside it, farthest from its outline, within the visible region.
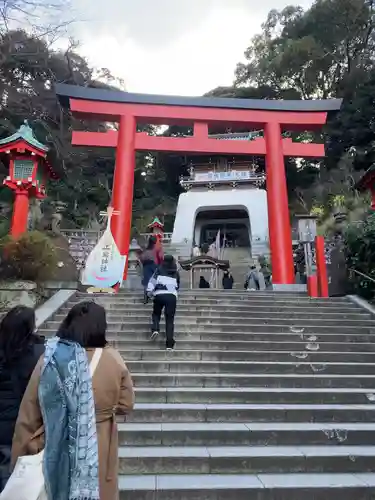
(26, 134)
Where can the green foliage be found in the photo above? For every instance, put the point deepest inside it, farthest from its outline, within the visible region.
(31, 256)
(4, 226)
(325, 51)
(313, 51)
(360, 256)
(352, 130)
(29, 68)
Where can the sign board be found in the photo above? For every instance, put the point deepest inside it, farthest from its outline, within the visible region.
(105, 265)
(232, 175)
(306, 230)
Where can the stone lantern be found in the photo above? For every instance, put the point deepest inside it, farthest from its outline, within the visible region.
(133, 281)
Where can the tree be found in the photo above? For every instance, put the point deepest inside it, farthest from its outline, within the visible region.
(47, 20)
(325, 51)
(28, 72)
(353, 128)
(360, 255)
(314, 52)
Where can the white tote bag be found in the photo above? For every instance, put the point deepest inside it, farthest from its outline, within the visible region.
(27, 480)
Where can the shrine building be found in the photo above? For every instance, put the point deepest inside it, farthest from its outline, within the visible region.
(225, 194)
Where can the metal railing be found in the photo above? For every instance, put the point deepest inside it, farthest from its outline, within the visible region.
(362, 274)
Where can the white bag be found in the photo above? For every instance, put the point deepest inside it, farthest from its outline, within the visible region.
(27, 480)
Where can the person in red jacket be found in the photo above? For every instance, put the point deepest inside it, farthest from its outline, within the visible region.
(150, 258)
(159, 254)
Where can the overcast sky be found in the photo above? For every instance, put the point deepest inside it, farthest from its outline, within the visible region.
(185, 47)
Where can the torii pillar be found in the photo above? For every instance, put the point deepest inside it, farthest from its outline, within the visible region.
(278, 210)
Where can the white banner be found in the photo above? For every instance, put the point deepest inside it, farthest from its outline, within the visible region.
(217, 245)
(105, 265)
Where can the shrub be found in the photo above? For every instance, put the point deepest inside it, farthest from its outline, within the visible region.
(359, 239)
(31, 256)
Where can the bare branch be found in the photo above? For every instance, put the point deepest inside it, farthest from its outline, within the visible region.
(41, 19)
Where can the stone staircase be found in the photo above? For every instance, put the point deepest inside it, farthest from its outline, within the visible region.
(268, 396)
(240, 262)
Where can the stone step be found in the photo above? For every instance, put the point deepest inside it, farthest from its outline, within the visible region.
(207, 299)
(217, 355)
(227, 320)
(264, 380)
(206, 326)
(297, 366)
(212, 292)
(246, 345)
(226, 304)
(248, 434)
(359, 486)
(248, 312)
(255, 395)
(245, 459)
(191, 335)
(220, 295)
(188, 412)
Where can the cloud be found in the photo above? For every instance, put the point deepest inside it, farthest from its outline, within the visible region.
(158, 23)
(184, 47)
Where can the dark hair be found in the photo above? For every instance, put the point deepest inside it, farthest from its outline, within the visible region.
(16, 333)
(168, 266)
(151, 242)
(85, 324)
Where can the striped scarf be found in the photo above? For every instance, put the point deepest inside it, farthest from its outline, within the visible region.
(71, 460)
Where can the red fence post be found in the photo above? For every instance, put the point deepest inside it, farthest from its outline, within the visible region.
(312, 286)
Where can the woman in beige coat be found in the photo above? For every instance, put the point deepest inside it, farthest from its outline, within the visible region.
(113, 394)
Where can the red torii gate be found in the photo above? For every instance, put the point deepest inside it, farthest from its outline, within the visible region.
(129, 109)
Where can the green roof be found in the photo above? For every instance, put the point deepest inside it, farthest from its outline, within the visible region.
(25, 133)
(156, 222)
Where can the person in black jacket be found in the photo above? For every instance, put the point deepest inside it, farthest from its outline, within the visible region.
(20, 350)
(227, 280)
(163, 287)
(203, 283)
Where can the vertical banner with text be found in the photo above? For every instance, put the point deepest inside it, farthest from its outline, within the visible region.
(105, 265)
